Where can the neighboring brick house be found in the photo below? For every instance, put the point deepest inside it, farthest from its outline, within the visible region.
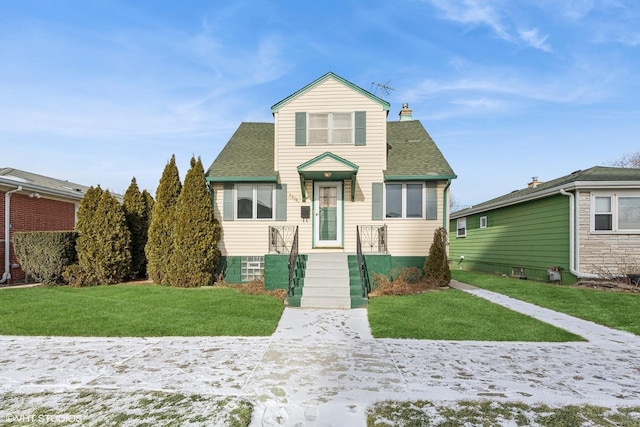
(582, 225)
(31, 202)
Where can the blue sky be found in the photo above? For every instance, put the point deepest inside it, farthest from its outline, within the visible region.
(99, 91)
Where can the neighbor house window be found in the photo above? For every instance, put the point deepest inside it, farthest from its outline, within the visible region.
(254, 201)
(404, 200)
(461, 227)
(330, 128)
(483, 222)
(617, 213)
(252, 268)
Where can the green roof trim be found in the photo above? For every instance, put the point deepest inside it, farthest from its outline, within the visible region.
(592, 178)
(418, 177)
(243, 179)
(329, 155)
(334, 175)
(330, 75)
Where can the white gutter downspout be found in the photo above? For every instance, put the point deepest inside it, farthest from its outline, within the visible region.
(445, 203)
(574, 238)
(7, 237)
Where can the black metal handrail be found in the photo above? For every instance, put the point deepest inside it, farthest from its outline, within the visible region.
(362, 266)
(293, 257)
(281, 238)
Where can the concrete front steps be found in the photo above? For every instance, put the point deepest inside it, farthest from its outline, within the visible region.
(330, 281)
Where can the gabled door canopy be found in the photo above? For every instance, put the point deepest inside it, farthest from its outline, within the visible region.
(327, 167)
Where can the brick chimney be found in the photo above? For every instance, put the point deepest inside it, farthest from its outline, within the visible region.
(534, 182)
(405, 113)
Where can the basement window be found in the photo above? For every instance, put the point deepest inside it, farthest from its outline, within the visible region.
(252, 268)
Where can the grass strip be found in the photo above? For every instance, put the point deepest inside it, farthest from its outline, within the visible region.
(138, 408)
(137, 311)
(618, 310)
(486, 413)
(454, 315)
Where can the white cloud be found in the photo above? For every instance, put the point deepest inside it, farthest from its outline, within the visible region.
(475, 12)
(533, 39)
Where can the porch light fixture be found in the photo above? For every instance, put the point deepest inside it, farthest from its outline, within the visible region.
(327, 174)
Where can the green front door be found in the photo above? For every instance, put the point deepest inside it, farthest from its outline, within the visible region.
(328, 214)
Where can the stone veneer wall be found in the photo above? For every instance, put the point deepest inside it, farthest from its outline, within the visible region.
(605, 253)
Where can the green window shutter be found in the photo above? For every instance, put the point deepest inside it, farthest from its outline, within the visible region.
(376, 200)
(281, 202)
(361, 128)
(301, 128)
(228, 201)
(212, 195)
(432, 200)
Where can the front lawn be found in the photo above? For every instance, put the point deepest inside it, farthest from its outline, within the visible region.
(137, 311)
(617, 310)
(454, 315)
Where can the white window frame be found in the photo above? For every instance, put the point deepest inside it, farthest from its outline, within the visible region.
(483, 222)
(330, 128)
(614, 196)
(254, 200)
(461, 224)
(404, 201)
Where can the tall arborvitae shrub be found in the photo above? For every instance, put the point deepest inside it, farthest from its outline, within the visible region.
(82, 273)
(159, 248)
(196, 255)
(87, 208)
(134, 206)
(436, 266)
(113, 256)
(148, 207)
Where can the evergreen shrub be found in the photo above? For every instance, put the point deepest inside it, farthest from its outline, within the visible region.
(45, 254)
(436, 266)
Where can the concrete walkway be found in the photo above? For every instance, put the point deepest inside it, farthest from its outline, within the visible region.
(323, 368)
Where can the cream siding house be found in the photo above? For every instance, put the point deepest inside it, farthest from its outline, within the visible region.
(330, 165)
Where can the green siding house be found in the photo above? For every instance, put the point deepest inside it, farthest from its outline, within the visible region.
(582, 225)
(329, 172)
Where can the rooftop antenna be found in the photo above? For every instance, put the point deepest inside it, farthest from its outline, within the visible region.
(385, 89)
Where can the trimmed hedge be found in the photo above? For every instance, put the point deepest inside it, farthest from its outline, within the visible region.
(45, 254)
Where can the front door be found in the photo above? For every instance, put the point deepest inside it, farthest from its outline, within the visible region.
(327, 202)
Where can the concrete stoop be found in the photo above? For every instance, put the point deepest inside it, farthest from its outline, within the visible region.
(326, 281)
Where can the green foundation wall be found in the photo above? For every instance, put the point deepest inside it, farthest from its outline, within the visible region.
(276, 272)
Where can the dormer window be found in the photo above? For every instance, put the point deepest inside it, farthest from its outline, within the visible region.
(330, 128)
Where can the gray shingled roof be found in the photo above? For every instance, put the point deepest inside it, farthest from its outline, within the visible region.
(587, 177)
(249, 154)
(412, 153)
(43, 184)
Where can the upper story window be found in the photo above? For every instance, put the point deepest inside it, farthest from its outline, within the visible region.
(254, 201)
(330, 128)
(615, 213)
